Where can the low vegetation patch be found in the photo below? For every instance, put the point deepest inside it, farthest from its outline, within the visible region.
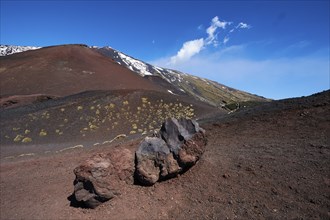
(142, 115)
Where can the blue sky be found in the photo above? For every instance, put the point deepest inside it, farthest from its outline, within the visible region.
(277, 49)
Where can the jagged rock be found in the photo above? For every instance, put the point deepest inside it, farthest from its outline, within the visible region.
(185, 139)
(154, 161)
(179, 146)
(97, 178)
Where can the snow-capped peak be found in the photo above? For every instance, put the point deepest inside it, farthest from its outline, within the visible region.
(8, 49)
(135, 64)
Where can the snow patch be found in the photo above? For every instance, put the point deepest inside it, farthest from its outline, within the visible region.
(8, 50)
(132, 63)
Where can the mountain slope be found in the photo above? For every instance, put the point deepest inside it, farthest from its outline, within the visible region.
(91, 117)
(202, 89)
(171, 81)
(65, 70)
(73, 94)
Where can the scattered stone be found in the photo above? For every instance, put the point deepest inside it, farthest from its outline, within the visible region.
(97, 178)
(179, 145)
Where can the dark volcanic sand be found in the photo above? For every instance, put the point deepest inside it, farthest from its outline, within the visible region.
(271, 162)
(133, 113)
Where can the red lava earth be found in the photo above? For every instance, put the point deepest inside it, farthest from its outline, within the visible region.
(267, 162)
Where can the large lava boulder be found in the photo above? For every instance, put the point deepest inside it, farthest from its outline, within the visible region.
(179, 145)
(154, 161)
(98, 178)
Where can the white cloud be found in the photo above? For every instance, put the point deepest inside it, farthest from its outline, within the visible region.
(243, 26)
(193, 47)
(280, 77)
(211, 31)
(225, 40)
(189, 49)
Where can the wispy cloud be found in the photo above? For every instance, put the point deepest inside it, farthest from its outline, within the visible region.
(225, 40)
(189, 49)
(212, 30)
(289, 71)
(243, 26)
(193, 47)
(200, 27)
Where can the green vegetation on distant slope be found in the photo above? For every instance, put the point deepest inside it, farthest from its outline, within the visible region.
(214, 93)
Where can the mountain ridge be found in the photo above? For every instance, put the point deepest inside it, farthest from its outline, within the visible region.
(200, 88)
(176, 82)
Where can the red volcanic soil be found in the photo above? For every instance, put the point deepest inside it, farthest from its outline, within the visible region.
(65, 70)
(267, 162)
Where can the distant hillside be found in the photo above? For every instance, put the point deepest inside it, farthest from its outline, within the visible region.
(68, 69)
(65, 70)
(202, 89)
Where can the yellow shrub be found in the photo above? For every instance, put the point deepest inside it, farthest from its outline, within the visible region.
(18, 138)
(42, 133)
(93, 127)
(144, 100)
(134, 126)
(26, 140)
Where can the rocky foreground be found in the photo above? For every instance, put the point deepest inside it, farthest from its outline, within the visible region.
(178, 146)
(269, 162)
